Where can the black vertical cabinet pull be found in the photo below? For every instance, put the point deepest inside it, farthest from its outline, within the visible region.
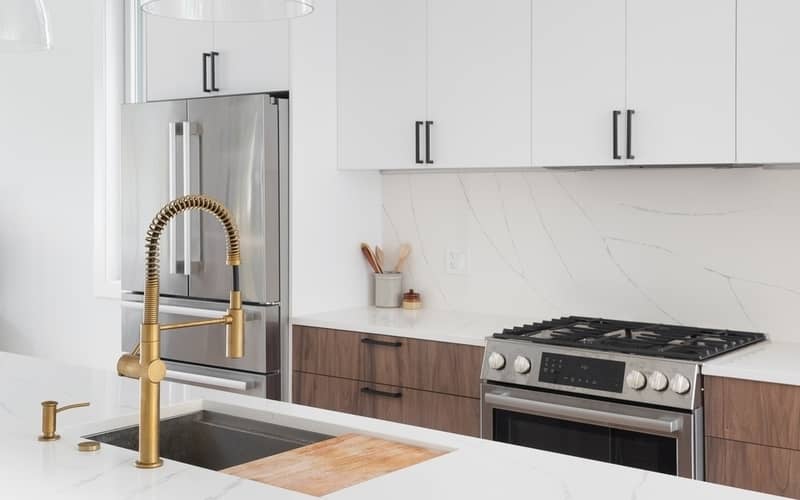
(214, 71)
(629, 132)
(417, 125)
(428, 142)
(615, 133)
(206, 55)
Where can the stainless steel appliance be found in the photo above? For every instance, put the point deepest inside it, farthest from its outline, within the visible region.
(616, 391)
(234, 149)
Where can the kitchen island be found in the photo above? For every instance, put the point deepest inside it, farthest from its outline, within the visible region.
(473, 469)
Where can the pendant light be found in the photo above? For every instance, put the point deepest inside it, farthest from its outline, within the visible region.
(228, 10)
(23, 26)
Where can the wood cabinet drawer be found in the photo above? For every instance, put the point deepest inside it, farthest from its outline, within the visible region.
(753, 467)
(325, 352)
(752, 412)
(409, 406)
(421, 364)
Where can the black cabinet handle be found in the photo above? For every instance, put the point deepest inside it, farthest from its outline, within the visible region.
(376, 392)
(214, 71)
(380, 342)
(615, 126)
(206, 56)
(417, 125)
(630, 134)
(428, 142)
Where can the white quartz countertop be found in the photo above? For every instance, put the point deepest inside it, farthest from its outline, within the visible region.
(775, 362)
(427, 324)
(475, 468)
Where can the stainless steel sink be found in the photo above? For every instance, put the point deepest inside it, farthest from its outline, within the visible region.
(215, 440)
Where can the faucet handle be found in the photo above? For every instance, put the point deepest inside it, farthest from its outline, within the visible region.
(49, 410)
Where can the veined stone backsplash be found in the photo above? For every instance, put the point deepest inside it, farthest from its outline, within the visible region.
(694, 246)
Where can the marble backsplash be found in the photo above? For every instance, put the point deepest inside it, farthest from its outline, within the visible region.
(714, 247)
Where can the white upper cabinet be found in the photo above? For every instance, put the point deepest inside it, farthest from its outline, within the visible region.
(479, 83)
(578, 82)
(681, 73)
(768, 81)
(381, 83)
(174, 57)
(187, 59)
(253, 57)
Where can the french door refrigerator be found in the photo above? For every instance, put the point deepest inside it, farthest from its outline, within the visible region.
(234, 149)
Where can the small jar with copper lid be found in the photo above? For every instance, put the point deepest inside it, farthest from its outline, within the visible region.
(412, 300)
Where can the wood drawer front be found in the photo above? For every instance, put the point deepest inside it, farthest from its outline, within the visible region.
(753, 467)
(421, 364)
(753, 412)
(325, 352)
(408, 406)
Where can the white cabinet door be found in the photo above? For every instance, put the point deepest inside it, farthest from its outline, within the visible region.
(253, 57)
(380, 82)
(681, 81)
(175, 57)
(578, 82)
(479, 83)
(768, 81)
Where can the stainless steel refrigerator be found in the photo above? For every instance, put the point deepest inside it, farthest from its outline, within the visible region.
(234, 149)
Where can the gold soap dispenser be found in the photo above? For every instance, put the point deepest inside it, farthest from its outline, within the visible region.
(49, 411)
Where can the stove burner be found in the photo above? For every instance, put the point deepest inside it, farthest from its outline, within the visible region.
(647, 339)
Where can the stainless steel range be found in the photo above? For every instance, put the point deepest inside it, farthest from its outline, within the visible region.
(617, 391)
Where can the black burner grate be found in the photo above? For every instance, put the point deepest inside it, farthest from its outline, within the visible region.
(647, 339)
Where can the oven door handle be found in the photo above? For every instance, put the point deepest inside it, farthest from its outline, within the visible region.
(597, 417)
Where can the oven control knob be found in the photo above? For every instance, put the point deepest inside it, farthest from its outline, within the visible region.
(636, 380)
(522, 364)
(680, 384)
(497, 361)
(658, 381)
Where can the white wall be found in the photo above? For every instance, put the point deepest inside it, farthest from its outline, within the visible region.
(332, 211)
(700, 246)
(47, 305)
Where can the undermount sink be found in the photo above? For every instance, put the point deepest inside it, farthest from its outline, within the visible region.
(215, 440)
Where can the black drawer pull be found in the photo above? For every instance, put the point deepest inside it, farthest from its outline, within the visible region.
(417, 125)
(630, 134)
(615, 126)
(381, 342)
(206, 56)
(428, 142)
(214, 71)
(376, 392)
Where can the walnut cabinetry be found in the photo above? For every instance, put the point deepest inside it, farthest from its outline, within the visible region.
(417, 382)
(753, 435)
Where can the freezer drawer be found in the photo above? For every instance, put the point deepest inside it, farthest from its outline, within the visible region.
(250, 384)
(206, 345)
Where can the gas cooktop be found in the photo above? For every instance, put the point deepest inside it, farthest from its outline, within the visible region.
(645, 339)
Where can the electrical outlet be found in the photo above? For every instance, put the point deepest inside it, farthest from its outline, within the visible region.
(456, 261)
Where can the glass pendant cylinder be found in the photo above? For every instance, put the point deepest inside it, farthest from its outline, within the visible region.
(23, 26)
(229, 10)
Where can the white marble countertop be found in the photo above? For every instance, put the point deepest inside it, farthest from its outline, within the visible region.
(427, 324)
(775, 362)
(475, 468)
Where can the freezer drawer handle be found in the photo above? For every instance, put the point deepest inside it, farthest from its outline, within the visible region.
(187, 311)
(596, 417)
(222, 383)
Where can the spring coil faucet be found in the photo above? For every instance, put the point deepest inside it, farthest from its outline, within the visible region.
(144, 362)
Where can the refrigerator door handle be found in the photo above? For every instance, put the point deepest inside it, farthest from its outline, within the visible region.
(173, 193)
(216, 382)
(187, 190)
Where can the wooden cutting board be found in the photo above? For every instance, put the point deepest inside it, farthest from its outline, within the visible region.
(333, 464)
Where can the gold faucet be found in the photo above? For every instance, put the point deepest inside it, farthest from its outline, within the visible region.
(144, 362)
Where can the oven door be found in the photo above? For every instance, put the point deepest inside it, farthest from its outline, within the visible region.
(643, 437)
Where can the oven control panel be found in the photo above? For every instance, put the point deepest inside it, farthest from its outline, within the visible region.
(577, 371)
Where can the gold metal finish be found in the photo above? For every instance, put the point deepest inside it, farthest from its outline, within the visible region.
(88, 446)
(49, 410)
(144, 362)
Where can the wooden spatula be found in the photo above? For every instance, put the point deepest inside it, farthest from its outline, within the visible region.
(373, 262)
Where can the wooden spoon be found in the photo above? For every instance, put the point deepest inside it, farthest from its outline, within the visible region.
(405, 251)
(379, 257)
(373, 263)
